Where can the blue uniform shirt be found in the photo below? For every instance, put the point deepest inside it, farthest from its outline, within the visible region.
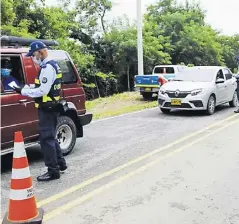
(47, 78)
(7, 80)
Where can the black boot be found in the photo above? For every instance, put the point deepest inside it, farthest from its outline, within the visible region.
(49, 176)
(237, 111)
(63, 167)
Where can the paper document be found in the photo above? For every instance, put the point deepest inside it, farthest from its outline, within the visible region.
(30, 86)
(13, 84)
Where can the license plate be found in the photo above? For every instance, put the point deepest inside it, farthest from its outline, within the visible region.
(176, 102)
(147, 89)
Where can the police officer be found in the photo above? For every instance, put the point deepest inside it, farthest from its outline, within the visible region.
(237, 77)
(46, 94)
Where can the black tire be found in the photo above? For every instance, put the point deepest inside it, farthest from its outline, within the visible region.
(147, 96)
(211, 105)
(165, 111)
(233, 103)
(66, 134)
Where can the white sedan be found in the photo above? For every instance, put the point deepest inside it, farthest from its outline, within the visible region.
(199, 88)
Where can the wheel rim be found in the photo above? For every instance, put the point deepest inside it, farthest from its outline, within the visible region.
(64, 137)
(211, 105)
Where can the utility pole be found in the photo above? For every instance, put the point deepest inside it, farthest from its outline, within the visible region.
(140, 38)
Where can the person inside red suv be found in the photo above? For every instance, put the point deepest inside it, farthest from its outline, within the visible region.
(6, 76)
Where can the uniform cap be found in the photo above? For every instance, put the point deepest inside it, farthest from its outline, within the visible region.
(35, 46)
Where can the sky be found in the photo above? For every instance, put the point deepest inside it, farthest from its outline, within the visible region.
(222, 15)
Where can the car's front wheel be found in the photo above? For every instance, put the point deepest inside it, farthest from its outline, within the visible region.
(66, 134)
(234, 102)
(211, 105)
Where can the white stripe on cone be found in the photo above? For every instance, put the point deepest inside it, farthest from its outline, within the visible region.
(22, 194)
(21, 173)
(19, 150)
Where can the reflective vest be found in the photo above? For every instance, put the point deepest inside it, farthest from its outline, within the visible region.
(54, 93)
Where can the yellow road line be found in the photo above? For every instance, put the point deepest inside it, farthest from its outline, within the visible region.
(121, 167)
(99, 190)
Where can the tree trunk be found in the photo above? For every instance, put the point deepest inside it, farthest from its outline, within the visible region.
(102, 22)
(98, 91)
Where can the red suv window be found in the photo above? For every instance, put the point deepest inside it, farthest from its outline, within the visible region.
(68, 74)
(12, 62)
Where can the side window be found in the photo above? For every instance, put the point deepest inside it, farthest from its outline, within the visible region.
(68, 74)
(220, 74)
(163, 70)
(228, 74)
(11, 71)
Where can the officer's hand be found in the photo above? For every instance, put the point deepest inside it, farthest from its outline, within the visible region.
(18, 89)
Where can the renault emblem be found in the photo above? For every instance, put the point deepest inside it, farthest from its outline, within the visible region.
(177, 93)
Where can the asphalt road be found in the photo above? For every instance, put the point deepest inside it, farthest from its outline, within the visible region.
(106, 145)
(194, 185)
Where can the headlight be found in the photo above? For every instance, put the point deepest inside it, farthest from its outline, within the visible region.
(197, 91)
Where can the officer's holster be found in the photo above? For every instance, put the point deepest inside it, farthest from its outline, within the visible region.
(55, 106)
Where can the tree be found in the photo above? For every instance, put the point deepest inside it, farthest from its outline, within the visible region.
(105, 54)
(190, 40)
(91, 11)
(230, 48)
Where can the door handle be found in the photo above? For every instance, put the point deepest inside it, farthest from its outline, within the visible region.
(23, 100)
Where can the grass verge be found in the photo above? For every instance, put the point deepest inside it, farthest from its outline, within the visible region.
(118, 104)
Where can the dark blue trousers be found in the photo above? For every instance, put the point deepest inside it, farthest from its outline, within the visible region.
(49, 145)
(238, 89)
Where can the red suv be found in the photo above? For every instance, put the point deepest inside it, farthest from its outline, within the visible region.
(18, 113)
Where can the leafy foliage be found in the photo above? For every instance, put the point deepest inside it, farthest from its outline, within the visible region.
(105, 54)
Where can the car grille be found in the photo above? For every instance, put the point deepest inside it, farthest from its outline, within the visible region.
(183, 105)
(171, 94)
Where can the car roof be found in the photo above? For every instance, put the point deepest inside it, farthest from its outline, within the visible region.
(201, 68)
(208, 67)
(170, 66)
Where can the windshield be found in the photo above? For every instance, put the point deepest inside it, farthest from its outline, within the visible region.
(196, 75)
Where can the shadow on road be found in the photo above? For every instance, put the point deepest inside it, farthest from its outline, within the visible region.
(151, 99)
(188, 113)
(33, 154)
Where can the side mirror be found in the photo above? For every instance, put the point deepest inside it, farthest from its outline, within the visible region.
(219, 81)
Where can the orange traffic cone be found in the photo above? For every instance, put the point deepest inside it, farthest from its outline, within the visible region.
(22, 204)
